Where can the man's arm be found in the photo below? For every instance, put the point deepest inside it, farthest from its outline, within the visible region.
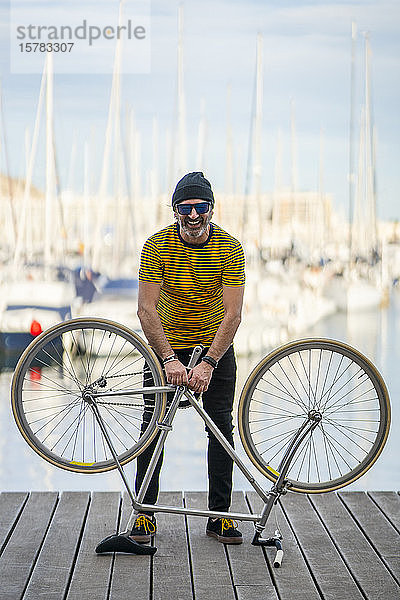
(233, 302)
(200, 376)
(148, 297)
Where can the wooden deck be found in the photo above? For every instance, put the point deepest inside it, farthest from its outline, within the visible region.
(342, 546)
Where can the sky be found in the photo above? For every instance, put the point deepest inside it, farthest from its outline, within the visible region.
(306, 64)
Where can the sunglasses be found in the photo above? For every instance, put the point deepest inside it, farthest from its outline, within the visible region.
(201, 208)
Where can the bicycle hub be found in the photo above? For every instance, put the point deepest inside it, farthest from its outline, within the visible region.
(315, 415)
(87, 396)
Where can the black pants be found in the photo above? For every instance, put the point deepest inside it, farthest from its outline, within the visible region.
(218, 403)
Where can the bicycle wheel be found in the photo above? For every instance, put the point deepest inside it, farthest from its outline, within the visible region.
(49, 402)
(315, 375)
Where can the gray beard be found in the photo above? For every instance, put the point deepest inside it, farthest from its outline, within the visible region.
(189, 232)
(194, 234)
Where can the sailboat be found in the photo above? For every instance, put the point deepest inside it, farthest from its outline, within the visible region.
(36, 293)
(115, 291)
(358, 286)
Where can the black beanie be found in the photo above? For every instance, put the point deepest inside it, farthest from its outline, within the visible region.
(193, 185)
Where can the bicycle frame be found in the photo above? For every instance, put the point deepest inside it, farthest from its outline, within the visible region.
(269, 498)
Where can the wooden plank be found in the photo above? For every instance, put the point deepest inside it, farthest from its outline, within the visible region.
(253, 592)
(131, 573)
(171, 565)
(382, 535)
(294, 573)
(367, 569)
(56, 559)
(92, 571)
(20, 554)
(247, 562)
(11, 504)
(211, 575)
(329, 571)
(389, 503)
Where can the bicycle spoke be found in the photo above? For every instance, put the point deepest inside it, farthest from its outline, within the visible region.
(128, 417)
(346, 394)
(76, 422)
(315, 457)
(349, 438)
(284, 391)
(326, 374)
(352, 401)
(277, 408)
(41, 398)
(65, 410)
(275, 396)
(310, 389)
(269, 427)
(336, 443)
(340, 389)
(296, 392)
(354, 429)
(120, 424)
(327, 441)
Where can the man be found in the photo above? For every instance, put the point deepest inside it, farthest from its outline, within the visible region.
(191, 283)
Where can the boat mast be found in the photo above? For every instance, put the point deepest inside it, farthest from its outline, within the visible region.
(294, 219)
(50, 170)
(113, 126)
(201, 137)
(21, 234)
(229, 185)
(181, 99)
(29, 245)
(369, 166)
(359, 225)
(86, 208)
(257, 169)
(11, 198)
(351, 175)
(154, 176)
(320, 221)
(293, 154)
(247, 184)
(276, 196)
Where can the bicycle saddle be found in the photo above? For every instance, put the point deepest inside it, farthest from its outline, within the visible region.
(121, 542)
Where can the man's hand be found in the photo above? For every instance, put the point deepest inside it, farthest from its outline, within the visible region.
(200, 377)
(176, 373)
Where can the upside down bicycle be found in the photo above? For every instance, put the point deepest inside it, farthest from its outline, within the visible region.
(313, 416)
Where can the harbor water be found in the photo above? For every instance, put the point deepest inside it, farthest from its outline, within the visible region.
(375, 334)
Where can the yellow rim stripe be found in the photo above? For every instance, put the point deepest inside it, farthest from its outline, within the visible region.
(272, 470)
(81, 464)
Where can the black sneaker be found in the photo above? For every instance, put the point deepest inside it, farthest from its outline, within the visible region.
(143, 528)
(224, 530)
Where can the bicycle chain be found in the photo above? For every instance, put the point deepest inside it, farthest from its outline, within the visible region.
(122, 403)
(130, 405)
(123, 375)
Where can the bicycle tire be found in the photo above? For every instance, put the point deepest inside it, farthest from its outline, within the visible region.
(315, 374)
(48, 386)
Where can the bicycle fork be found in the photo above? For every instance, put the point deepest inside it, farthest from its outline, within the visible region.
(281, 486)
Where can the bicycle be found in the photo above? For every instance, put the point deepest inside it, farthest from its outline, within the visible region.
(313, 415)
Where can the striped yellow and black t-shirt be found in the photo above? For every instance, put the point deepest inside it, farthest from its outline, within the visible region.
(191, 278)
